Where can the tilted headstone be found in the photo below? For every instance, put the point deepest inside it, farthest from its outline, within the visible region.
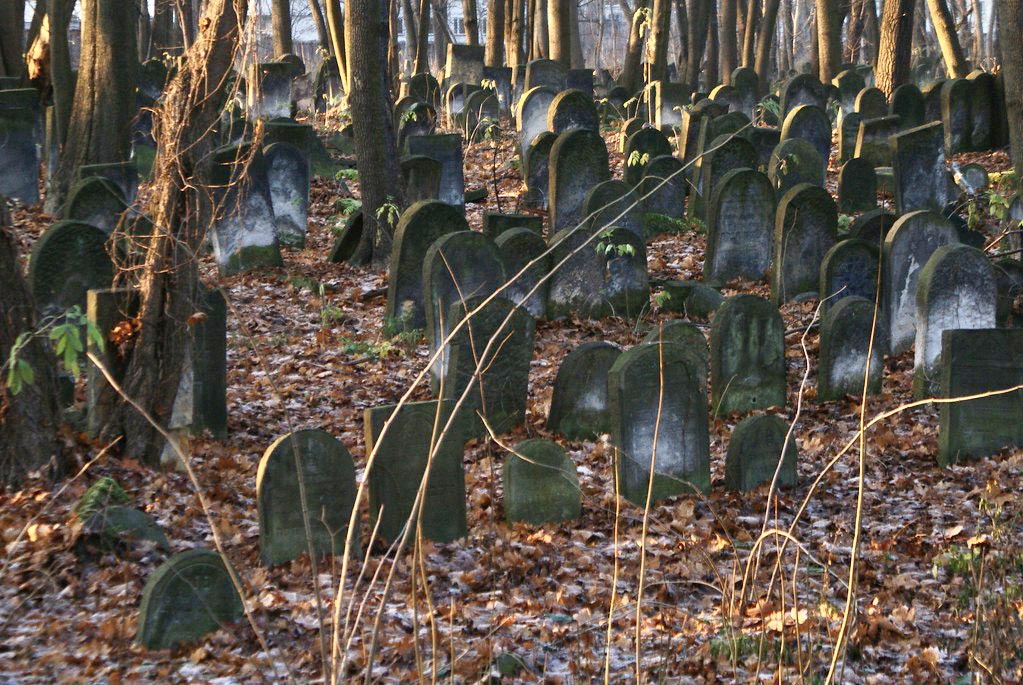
(908, 104)
(189, 596)
(425, 88)
(658, 423)
(857, 187)
(481, 112)
(519, 246)
(739, 227)
(747, 356)
(579, 402)
(124, 174)
(628, 127)
(287, 170)
(849, 269)
(328, 482)
(795, 161)
(578, 161)
(872, 141)
(446, 149)
(96, 201)
(871, 103)
(68, 260)
(572, 109)
(811, 124)
(956, 115)
(536, 171)
(540, 484)
(418, 119)
(805, 229)
(501, 78)
(640, 148)
(956, 290)
(403, 454)
(981, 109)
(872, 226)
(269, 90)
(303, 136)
(974, 362)
(756, 447)
(846, 345)
(464, 64)
(907, 247)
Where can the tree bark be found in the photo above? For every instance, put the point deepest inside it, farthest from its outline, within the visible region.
(423, 36)
(763, 61)
(785, 57)
(630, 77)
(411, 32)
(682, 29)
(871, 33)
(698, 13)
(896, 45)
(336, 26)
(559, 23)
(166, 34)
(659, 40)
(749, 40)
(574, 33)
(854, 31)
(978, 32)
(948, 39)
(440, 32)
(518, 34)
(729, 56)
(710, 68)
(99, 130)
(494, 50)
(322, 35)
(61, 78)
(12, 45)
(829, 38)
(470, 19)
(145, 32)
(541, 31)
(28, 420)
(1010, 27)
(280, 17)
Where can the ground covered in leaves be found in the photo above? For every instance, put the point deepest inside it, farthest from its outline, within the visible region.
(939, 576)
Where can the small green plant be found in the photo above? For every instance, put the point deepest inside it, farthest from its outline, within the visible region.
(998, 203)
(636, 158)
(768, 106)
(330, 313)
(65, 334)
(103, 493)
(661, 299)
(408, 115)
(347, 205)
(735, 648)
(388, 212)
(611, 249)
(844, 222)
(346, 175)
(301, 282)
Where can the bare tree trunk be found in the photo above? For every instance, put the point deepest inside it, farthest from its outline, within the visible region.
(280, 15)
(682, 29)
(145, 32)
(659, 40)
(60, 69)
(471, 21)
(574, 32)
(321, 26)
(871, 33)
(494, 51)
(630, 77)
(854, 31)
(336, 26)
(393, 53)
(729, 50)
(896, 47)
(559, 22)
(1010, 28)
(944, 29)
(541, 31)
(711, 67)
(518, 34)
(829, 38)
(423, 35)
(785, 56)
(698, 13)
(36, 24)
(763, 62)
(167, 36)
(440, 32)
(749, 40)
(12, 46)
(411, 33)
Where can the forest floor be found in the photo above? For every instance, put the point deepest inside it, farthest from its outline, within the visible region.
(940, 572)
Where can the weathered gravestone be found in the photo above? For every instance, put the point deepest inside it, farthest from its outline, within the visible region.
(579, 403)
(19, 157)
(519, 247)
(932, 100)
(956, 117)
(328, 90)
(287, 170)
(68, 260)
(739, 227)
(640, 148)
(871, 103)
(956, 290)
(908, 104)
(857, 187)
(419, 226)
(849, 269)
(848, 130)
(578, 161)
(494, 224)
(581, 80)
(96, 201)
(327, 488)
(805, 229)
(245, 235)
(425, 88)
(849, 83)
(974, 362)
(628, 127)
(688, 335)
(663, 194)
(726, 95)
(446, 149)
(536, 171)
(418, 119)
(531, 115)
(464, 63)
(666, 103)
(795, 161)
(303, 136)
(755, 449)
(501, 81)
(482, 112)
(546, 72)
(540, 484)
(907, 247)
(269, 90)
(725, 153)
(747, 356)
(572, 109)
(872, 141)
(872, 226)
(746, 85)
(764, 139)
(124, 174)
(981, 109)
(658, 423)
(613, 204)
(412, 444)
(803, 89)
(190, 595)
(846, 345)
(422, 178)
(1009, 279)
(811, 124)
(688, 138)
(972, 179)
(626, 284)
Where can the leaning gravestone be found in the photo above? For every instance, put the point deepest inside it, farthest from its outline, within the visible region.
(956, 290)
(907, 248)
(658, 423)
(68, 260)
(578, 161)
(956, 101)
(540, 484)
(424, 87)
(402, 456)
(795, 161)
(519, 247)
(328, 481)
(803, 89)
(811, 124)
(531, 115)
(974, 362)
(579, 403)
(757, 445)
(19, 157)
(287, 170)
(871, 103)
(747, 356)
(908, 104)
(446, 149)
(96, 201)
(269, 90)
(124, 174)
(419, 226)
(805, 229)
(572, 109)
(739, 227)
(845, 346)
(536, 170)
(849, 269)
(418, 119)
(872, 141)
(190, 595)
(640, 148)
(857, 187)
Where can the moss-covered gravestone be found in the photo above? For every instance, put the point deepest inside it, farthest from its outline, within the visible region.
(688, 335)
(572, 109)
(578, 162)
(400, 464)
(495, 224)
(857, 187)
(613, 204)
(96, 201)
(626, 286)
(417, 119)
(849, 269)
(849, 83)
(419, 226)
(872, 141)
(956, 290)
(287, 170)
(740, 222)
(640, 148)
(189, 596)
(647, 380)
(803, 89)
(754, 450)
(663, 193)
(540, 484)
(871, 103)
(747, 356)
(795, 161)
(974, 362)
(956, 102)
(269, 90)
(328, 476)
(536, 170)
(124, 174)
(579, 403)
(69, 259)
(519, 247)
(805, 229)
(983, 109)
(908, 104)
(723, 154)
(845, 345)
(422, 178)
(907, 247)
(546, 72)
(872, 226)
(446, 149)
(693, 299)
(809, 123)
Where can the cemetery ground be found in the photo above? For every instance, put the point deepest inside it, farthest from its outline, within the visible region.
(940, 569)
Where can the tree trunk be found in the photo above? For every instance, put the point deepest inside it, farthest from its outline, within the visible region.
(12, 46)
(28, 420)
(729, 56)
(440, 33)
(785, 57)
(494, 51)
(698, 13)
(559, 22)
(682, 29)
(978, 33)
(763, 61)
(321, 26)
(896, 45)
(280, 16)
(871, 33)
(944, 29)
(1010, 27)
(749, 40)
(630, 77)
(104, 102)
(411, 33)
(36, 25)
(854, 31)
(518, 34)
(145, 32)
(659, 40)
(336, 26)
(470, 19)
(574, 32)
(393, 52)
(166, 30)
(369, 99)
(423, 36)
(61, 78)
(541, 31)
(711, 67)
(829, 38)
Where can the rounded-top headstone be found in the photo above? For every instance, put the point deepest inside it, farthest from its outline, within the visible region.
(572, 109)
(579, 403)
(747, 353)
(795, 161)
(754, 452)
(69, 259)
(97, 201)
(540, 484)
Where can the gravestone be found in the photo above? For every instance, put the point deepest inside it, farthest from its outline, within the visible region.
(303, 136)
(956, 115)
(531, 115)
(803, 89)
(245, 235)
(579, 403)
(518, 247)
(667, 101)
(872, 226)
(422, 178)
(849, 83)
(67, 261)
(501, 78)
(269, 90)
(546, 72)
(402, 455)
(613, 204)
(96, 201)
(663, 194)
(688, 138)
(540, 484)
(872, 141)
(857, 187)
(287, 170)
(684, 333)
(932, 100)
(480, 113)
(746, 85)
(764, 139)
(495, 224)
(328, 481)
(418, 119)
(725, 153)
(640, 148)
(658, 423)
(628, 127)
(328, 90)
(572, 109)
(981, 109)
(446, 149)
(805, 229)
(908, 104)
(1009, 279)
(907, 247)
(19, 157)
(846, 345)
(848, 130)
(739, 227)
(756, 447)
(727, 95)
(464, 64)
(124, 174)
(578, 161)
(871, 103)
(536, 172)
(424, 87)
(614, 107)
(747, 356)
(849, 269)
(795, 161)
(811, 124)
(626, 285)
(972, 179)
(105, 308)
(956, 290)
(419, 226)
(974, 362)
(189, 596)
